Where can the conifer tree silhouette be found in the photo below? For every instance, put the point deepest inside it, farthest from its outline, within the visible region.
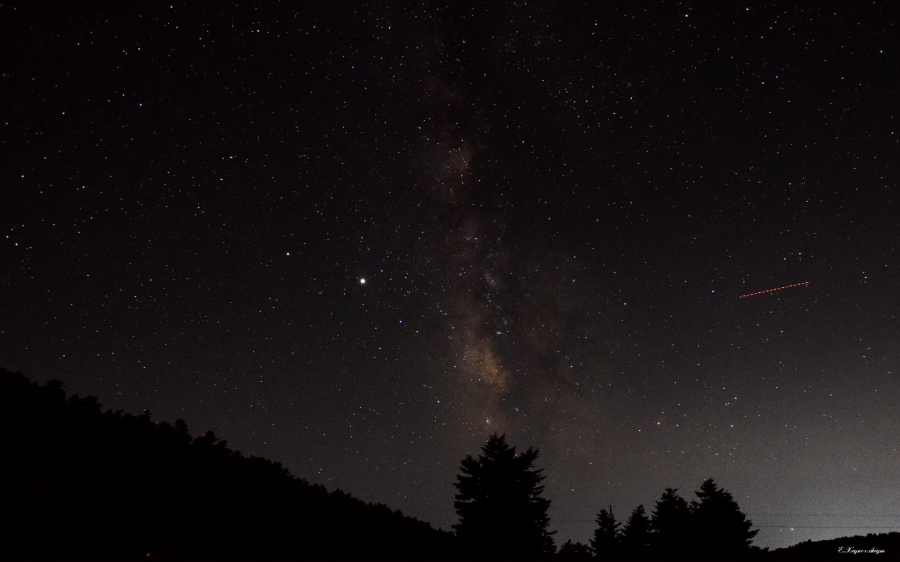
(607, 536)
(636, 532)
(499, 503)
(671, 524)
(719, 525)
(574, 550)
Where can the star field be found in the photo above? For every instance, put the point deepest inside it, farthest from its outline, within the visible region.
(358, 240)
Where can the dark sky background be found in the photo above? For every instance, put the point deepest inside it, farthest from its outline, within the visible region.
(358, 240)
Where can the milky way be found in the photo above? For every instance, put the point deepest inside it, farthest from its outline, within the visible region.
(555, 213)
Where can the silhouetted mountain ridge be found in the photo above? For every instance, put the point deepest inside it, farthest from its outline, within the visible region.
(80, 481)
(883, 545)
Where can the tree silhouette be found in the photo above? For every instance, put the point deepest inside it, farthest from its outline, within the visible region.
(719, 525)
(81, 483)
(574, 550)
(607, 537)
(499, 503)
(636, 532)
(671, 524)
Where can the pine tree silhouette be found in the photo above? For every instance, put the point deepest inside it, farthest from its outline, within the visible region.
(499, 503)
(671, 524)
(607, 536)
(574, 550)
(636, 532)
(719, 525)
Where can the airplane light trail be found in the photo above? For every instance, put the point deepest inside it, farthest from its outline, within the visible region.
(770, 290)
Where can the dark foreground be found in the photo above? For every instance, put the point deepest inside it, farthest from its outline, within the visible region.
(324, 558)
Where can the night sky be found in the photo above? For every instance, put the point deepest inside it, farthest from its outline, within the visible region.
(358, 240)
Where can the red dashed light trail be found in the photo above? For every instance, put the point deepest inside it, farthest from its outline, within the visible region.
(770, 290)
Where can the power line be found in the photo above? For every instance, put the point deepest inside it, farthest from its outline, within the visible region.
(796, 514)
(755, 513)
(759, 512)
(784, 526)
(826, 514)
(824, 527)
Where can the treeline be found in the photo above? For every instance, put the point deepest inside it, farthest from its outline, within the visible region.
(77, 481)
(502, 511)
(711, 525)
(884, 546)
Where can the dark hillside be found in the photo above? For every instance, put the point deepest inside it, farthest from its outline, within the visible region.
(883, 546)
(81, 482)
